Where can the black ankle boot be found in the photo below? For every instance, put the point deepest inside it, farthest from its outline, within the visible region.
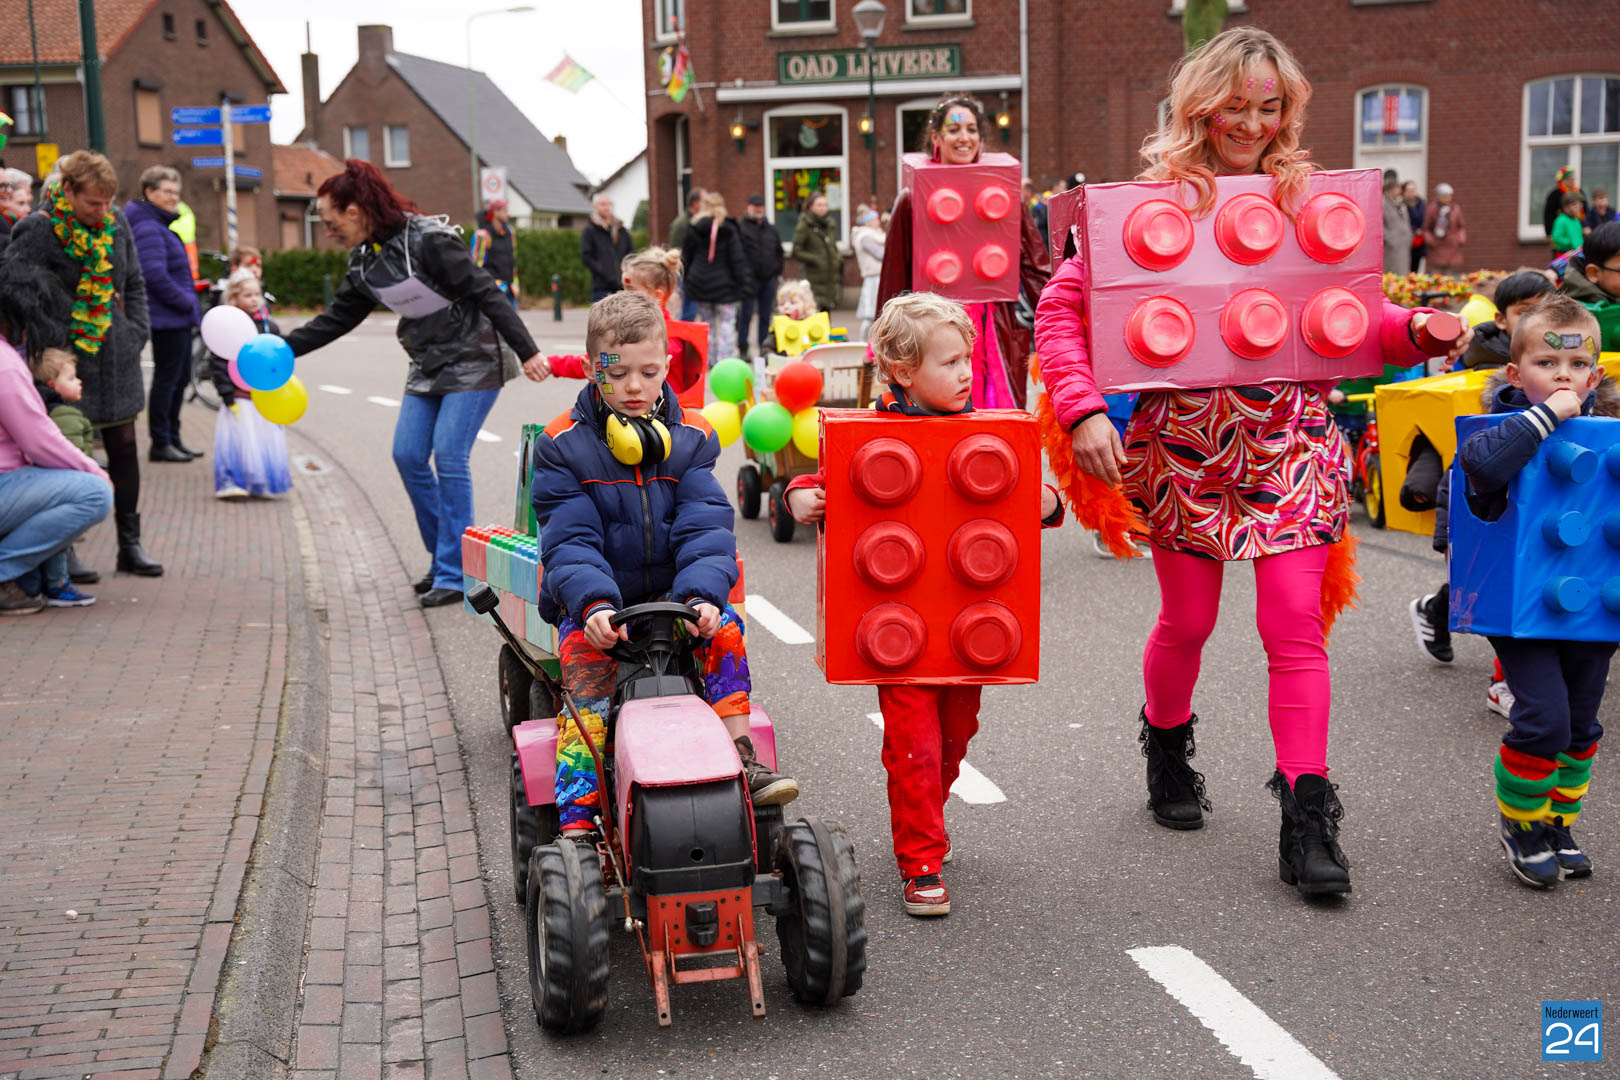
(1308, 852)
(78, 573)
(1175, 789)
(131, 559)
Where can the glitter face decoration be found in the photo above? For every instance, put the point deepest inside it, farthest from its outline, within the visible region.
(1217, 122)
(959, 116)
(1266, 87)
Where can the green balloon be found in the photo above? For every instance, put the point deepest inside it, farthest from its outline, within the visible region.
(767, 427)
(731, 379)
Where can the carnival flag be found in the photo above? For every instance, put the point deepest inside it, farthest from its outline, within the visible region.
(569, 75)
(680, 79)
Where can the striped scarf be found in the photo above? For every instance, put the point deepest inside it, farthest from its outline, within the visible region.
(91, 248)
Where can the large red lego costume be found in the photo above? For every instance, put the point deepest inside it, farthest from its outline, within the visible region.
(928, 586)
(945, 218)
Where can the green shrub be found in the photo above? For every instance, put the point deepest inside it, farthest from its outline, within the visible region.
(294, 277)
(543, 252)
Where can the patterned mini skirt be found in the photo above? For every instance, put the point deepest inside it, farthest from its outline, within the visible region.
(1238, 472)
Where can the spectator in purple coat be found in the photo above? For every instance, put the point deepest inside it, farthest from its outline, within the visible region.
(172, 301)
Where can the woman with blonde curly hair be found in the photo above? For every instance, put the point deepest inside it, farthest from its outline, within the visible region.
(1231, 472)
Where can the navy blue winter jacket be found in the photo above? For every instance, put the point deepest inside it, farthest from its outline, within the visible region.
(171, 297)
(612, 535)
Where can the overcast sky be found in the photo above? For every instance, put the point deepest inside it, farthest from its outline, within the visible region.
(517, 51)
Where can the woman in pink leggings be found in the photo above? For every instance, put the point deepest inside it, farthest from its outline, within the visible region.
(1228, 473)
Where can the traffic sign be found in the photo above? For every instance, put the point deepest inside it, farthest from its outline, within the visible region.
(194, 115)
(249, 114)
(247, 171)
(208, 136)
(240, 114)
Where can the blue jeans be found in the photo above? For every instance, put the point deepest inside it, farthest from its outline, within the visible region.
(443, 428)
(42, 511)
(688, 305)
(763, 302)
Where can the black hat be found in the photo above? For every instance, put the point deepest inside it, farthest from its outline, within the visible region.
(756, 200)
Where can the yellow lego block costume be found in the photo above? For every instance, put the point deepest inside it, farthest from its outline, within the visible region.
(793, 336)
(1430, 406)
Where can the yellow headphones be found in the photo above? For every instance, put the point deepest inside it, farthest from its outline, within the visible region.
(635, 440)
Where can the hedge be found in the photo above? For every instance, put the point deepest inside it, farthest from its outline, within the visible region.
(294, 277)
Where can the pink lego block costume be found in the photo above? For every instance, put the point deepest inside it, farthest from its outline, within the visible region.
(965, 226)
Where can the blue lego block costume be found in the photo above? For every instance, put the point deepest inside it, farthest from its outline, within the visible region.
(1549, 567)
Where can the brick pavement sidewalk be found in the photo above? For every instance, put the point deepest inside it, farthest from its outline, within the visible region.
(136, 745)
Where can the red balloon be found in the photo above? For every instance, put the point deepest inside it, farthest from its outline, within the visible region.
(798, 386)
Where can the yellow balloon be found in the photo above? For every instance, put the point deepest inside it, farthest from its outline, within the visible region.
(807, 432)
(726, 419)
(283, 405)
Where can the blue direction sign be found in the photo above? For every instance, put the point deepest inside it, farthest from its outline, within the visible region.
(249, 172)
(244, 114)
(199, 137)
(246, 171)
(195, 116)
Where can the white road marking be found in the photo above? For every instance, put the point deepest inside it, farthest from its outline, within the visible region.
(330, 389)
(385, 402)
(1253, 1037)
(971, 786)
(775, 620)
(487, 436)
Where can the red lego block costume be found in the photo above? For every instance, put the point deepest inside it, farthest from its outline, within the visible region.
(965, 223)
(1241, 296)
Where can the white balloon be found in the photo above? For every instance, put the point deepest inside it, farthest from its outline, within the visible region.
(225, 329)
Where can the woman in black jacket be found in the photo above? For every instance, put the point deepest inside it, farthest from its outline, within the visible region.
(717, 274)
(449, 310)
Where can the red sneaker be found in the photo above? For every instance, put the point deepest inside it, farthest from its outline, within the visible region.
(926, 895)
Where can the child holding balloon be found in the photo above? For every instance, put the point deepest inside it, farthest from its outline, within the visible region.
(250, 453)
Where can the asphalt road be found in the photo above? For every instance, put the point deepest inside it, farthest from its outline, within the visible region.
(1436, 966)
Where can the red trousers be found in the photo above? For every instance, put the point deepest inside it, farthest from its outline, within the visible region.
(925, 736)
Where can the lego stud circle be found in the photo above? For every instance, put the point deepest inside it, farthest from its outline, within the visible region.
(1610, 595)
(1571, 462)
(1160, 331)
(943, 267)
(1249, 229)
(885, 472)
(1567, 530)
(985, 635)
(889, 555)
(1566, 595)
(993, 203)
(991, 262)
(890, 636)
(1254, 324)
(1330, 227)
(945, 205)
(1334, 322)
(982, 467)
(814, 333)
(1158, 235)
(982, 553)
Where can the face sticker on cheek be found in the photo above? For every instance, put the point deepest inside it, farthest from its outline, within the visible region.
(601, 371)
(1591, 347)
(1217, 122)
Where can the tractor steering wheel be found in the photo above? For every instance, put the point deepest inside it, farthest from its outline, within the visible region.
(660, 644)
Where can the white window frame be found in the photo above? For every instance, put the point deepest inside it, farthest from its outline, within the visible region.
(909, 105)
(829, 23)
(953, 18)
(813, 108)
(1233, 7)
(348, 143)
(1532, 233)
(1419, 149)
(661, 32)
(389, 161)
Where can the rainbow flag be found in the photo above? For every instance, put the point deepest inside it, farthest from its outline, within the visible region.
(569, 75)
(680, 79)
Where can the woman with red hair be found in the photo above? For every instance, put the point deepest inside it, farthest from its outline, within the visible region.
(449, 311)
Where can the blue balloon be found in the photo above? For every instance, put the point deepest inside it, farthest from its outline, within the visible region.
(265, 362)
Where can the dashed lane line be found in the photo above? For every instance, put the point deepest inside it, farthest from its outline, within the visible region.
(487, 436)
(971, 786)
(385, 402)
(330, 389)
(1253, 1037)
(774, 619)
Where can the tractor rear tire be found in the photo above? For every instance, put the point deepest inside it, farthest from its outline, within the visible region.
(566, 932)
(823, 935)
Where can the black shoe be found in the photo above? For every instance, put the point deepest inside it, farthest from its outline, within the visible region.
(1308, 852)
(78, 573)
(765, 787)
(423, 583)
(1175, 789)
(1430, 619)
(131, 559)
(162, 452)
(13, 601)
(439, 597)
(186, 450)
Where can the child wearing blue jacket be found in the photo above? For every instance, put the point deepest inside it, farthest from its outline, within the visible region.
(1545, 762)
(629, 511)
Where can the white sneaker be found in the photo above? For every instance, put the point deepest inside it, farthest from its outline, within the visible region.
(1499, 699)
(1100, 549)
(231, 491)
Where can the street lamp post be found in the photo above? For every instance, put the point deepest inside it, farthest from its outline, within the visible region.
(472, 105)
(869, 21)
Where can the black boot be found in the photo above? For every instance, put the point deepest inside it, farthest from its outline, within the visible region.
(1308, 852)
(131, 559)
(1175, 789)
(78, 573)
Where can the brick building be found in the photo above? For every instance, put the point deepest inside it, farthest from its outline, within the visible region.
(410, 117)
(1489, 103)
(299, 171)
(155, 55)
